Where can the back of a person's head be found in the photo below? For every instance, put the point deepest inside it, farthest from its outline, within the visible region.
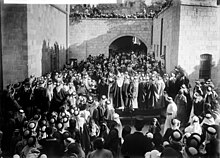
(31, 141)
(43, 156)
(126, 130)
(49, 130)
(113, 133)
(99, 143)
(72, 123)
(169, 152)
(139, 123)
(16, 156)
(73, 148)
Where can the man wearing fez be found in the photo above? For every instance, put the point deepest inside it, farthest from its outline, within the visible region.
(136, 144)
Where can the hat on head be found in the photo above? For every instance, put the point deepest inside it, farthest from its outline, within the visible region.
(192, 142)
(90, 100)
(209, 88)
(211, 130)
(43, 122)
(108, 102)
(197, 137)
(175, 123)
(166, 143)
(71, 110)
(150, 135)
(36, 117)
(63, 114)
(43, 128)
(152, 154)
(208, 120)
(66, 135)
(74, 93)
(52, 121)
(49, 82)
(191, 151)
(32, 125)
(76, 111)
(65, 119)
(21, 111)
(16, 156)
(43, 156)
(26, 133)
(176, 136)
(31, 141)
(103, 97)
(165, 75)
(195, 119)
(60, 126)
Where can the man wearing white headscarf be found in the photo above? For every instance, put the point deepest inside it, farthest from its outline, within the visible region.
(153, 154)
(194, 126)
(208, 120)
(170, 113)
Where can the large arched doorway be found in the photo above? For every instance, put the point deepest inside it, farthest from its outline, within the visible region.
(127, 45)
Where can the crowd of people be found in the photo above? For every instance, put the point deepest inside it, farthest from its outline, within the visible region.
(72, 113)
(86, 11)
(97, 14)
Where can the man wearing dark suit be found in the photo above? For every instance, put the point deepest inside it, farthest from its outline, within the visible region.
(136, 145)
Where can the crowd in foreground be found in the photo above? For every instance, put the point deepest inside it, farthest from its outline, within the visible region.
(72, 113)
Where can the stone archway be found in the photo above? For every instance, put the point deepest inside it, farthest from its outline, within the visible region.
(127, 43)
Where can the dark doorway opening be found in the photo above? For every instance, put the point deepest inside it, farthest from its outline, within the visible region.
(127, 45)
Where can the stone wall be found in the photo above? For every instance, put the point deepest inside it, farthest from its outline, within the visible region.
(199, 2)
(217, 64)
(190, 28)
(29, 33)
(170, 36)
(46, 26)
(93, 36)
(199, 35)
(14, 43)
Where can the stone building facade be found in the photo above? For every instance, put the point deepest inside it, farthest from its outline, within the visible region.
(179, 34)
(29, 33)
(190, 28)
(94, 36)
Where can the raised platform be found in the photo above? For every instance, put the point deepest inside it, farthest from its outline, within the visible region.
(127, 116)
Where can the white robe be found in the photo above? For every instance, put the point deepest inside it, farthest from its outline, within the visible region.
(135, 95)
(171, 109)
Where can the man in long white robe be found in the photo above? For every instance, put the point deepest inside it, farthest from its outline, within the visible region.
(170, 113)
